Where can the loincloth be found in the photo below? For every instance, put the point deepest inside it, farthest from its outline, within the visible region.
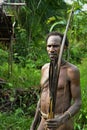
(45, 116)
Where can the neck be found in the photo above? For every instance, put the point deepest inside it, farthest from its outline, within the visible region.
(63, 62)
(54, 61)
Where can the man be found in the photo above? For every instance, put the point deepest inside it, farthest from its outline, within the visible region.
(68, 96)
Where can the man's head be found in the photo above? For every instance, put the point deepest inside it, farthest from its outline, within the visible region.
(54, 40)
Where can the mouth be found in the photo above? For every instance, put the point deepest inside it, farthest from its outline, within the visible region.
(53, 56)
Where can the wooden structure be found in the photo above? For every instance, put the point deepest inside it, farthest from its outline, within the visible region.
(7, 30)
(5, 27)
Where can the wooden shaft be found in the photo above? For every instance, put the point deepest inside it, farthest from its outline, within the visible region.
(63, 41)
(59, 64)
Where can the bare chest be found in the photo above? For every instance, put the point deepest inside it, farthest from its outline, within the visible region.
(62, 81)
(62, 89)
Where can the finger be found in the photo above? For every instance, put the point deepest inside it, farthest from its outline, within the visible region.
(50, 120)
(51, 125)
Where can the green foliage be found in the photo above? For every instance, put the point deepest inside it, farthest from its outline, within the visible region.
(24, 77)
(77, 52)
(15, 121)
(3, 56)
(81, 119)
(21, 47)
(21, 77)
(32, 23)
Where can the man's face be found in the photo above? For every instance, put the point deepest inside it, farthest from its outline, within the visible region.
(53, 46)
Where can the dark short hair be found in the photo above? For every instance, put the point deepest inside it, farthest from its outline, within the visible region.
(58, 34)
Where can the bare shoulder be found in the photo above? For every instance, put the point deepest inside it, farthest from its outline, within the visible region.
(72, 67)
(73, 71)
(44, 67)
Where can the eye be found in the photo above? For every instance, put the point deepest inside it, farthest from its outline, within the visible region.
(56, 45)
(48, 45)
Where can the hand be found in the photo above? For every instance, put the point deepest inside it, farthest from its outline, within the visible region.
(54, 123)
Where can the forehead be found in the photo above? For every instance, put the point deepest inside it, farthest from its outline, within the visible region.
(54, 39)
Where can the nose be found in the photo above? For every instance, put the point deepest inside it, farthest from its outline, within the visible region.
(51, 49)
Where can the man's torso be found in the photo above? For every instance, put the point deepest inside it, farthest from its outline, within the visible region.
(63, 97)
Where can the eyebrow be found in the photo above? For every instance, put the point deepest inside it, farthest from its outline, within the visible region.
(53, 45)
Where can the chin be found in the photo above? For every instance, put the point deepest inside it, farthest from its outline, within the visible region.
(52, 58)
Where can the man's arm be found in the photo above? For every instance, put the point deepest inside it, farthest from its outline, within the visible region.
(74, 76)
(37, 117)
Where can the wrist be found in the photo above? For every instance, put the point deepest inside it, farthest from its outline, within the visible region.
(69, 113)
(66, 116)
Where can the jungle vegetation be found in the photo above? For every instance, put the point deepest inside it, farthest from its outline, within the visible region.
(20, 91)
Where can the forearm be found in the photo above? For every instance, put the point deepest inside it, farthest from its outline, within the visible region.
(36, 117)
(75, 107)
(72, 110)
(62, 119)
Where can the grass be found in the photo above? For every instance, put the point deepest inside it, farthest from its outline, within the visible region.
(15, 121)
(20, 120)
(81, 119)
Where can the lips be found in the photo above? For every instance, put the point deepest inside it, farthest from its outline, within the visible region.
(52, 55)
